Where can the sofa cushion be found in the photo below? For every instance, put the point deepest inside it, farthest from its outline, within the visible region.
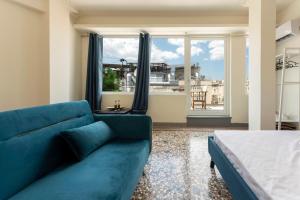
(30, 145)
(111, 172)
(86, 139)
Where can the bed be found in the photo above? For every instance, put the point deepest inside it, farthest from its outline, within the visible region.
(258, 164)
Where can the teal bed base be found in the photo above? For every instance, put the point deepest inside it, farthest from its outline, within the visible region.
(235, 183)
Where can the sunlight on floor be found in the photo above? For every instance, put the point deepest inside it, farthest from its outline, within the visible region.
(178, 168)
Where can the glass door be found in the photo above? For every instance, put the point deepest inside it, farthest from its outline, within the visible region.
(208, 76)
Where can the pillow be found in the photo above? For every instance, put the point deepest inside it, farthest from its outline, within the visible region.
(86, 139)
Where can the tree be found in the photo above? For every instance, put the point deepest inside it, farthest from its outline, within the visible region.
(111, 81)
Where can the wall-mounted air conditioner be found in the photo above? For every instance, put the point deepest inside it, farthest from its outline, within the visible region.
(289, 28)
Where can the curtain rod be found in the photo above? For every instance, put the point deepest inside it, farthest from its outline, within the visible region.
(113, 35)
(85, 34)
(116, 35)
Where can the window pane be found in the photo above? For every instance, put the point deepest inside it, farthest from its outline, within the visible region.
(119, 64)
(167, 65)
(247, 67)
(207, 74)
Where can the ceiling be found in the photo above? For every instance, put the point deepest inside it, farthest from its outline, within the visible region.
(207, 6)
(163, 30)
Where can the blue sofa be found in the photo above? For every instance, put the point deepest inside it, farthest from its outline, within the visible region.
(36, 163)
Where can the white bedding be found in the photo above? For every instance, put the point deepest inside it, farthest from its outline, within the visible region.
(268, 161)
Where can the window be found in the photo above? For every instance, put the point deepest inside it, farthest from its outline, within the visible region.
(167, 64)
(119, 64)
(207, 75)
(247, 67)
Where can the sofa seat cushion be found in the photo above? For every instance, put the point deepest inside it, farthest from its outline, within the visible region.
(111, 172)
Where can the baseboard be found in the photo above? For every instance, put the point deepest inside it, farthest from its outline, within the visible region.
(222, 121)
(203, 125)
(244, 125)
(167, 124)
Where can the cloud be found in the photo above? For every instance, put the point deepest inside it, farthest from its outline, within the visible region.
(216, 49)
(179, 42)
(197, 42)
(127, 48)
(195, 50)
(216, 43)
(176, 41)
(159, 55)
(247, 42)
(117, 48)
(180, 50)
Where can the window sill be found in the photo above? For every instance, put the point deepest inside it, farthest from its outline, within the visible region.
(150, 94)
(167, 94)
(118, 93)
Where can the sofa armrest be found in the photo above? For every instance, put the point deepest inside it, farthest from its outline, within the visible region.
(128, 126)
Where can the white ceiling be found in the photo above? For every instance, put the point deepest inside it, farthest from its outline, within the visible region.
(234, 6)
(163, 30)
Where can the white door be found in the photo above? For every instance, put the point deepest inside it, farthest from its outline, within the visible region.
(207, 76)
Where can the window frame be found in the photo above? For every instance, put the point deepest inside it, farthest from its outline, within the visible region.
(187, 75)
(225, 111)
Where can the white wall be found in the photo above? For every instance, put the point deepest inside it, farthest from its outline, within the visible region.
(291, 94)
(159, 19)
(40, 54)
(168, 108)
(84, 58)
(163, 108)
(24, 66)
(65, 54)
(262, 95)
(238, 96)
(38, 5)
(291, 12)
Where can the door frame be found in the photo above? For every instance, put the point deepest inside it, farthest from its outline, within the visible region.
(187, 59)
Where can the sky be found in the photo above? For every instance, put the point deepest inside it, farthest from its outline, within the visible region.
(247, 59)
(208, 53)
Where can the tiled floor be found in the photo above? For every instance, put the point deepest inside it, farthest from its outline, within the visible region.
(178, 168)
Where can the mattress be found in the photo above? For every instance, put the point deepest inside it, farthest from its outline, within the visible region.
(268, 161)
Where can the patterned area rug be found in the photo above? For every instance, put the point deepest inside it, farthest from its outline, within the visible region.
(178, 168)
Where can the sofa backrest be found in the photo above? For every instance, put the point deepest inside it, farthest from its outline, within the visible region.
(30, 145)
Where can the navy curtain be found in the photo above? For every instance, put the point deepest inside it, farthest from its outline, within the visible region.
(140, 102)
(94, 71)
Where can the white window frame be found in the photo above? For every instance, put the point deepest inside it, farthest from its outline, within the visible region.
(187, 71)
(203, 113)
